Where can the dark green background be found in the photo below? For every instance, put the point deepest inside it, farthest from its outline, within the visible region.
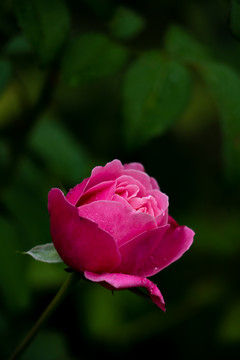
(82, 83)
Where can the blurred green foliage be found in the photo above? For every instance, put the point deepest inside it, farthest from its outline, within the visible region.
(83, 82)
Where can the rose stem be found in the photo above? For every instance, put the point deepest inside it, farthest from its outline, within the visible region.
(69, 283)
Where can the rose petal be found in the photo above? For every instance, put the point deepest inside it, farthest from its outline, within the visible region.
(114, 169)
(154, 183)
(162, 203)
(116, 281)
(80, 242)
(103, 191)
(174, 243)
(149, 253)
(161, 198)
(135, 166)
(137, 253)
(129, 180)
(127, 191)
(142, 177)
(110, 171)
(172, 222)
(120, 221)
(162, 219)
(74, 194)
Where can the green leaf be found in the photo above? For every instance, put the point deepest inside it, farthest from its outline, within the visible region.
(18, 45)
(45, 23)
(224, 84)
(63, 155)
(126, 24)
(183, 46)
(90, 57)
(5, 74)
(235, 18)
(155, 94)
(45, 253)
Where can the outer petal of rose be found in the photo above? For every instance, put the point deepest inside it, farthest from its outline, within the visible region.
(80, 242)
(175, 242)
(154, 183)
(172, 222)
(135, 166)
(122, 222)
(137, 253)
(166, 248)
(75, 193)
(110, 171)
(117, 281)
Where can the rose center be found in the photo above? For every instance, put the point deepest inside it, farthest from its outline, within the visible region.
(130, 193)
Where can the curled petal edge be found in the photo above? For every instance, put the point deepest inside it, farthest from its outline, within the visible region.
(118, 281)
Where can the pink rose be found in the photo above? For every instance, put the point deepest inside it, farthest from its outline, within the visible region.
(115, 228)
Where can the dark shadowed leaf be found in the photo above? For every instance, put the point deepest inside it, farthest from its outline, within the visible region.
(224, 84)
(126, 24)
(45, 253)
(18, 45)
(183, 46)
(45, 23)
(155, 94)
(62, 154)
(235, 18)
(90, 57)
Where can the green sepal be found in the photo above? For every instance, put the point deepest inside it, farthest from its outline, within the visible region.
(45, 253)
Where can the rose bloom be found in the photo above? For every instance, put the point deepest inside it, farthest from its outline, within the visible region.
(114, 227)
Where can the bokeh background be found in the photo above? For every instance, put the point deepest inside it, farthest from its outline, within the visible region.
(84, 82)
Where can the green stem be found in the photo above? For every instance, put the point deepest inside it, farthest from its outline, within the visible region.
(69, 283)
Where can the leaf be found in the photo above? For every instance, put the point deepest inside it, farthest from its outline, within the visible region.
(45, 23)
(90, 57)
(5, 74)
(183, 46)
(17, 46)
(126, 24)
(235, 18)
(45, 253)
(224, 84)
(155, 94)
(62, 154)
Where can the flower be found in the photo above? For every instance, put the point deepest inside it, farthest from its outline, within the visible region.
(114, 227)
